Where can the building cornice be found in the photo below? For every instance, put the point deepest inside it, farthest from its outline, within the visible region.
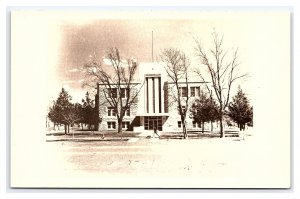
(187, 82)
(133, 83)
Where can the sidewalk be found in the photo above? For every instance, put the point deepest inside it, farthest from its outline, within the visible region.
(88, 136)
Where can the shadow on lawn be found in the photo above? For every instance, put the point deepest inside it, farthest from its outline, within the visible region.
(199, 135)
(88, 140)
(96, 134)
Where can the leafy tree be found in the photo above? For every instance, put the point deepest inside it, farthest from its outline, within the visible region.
(89, 112)
(204, 110)
(63, 111)
(53, 115)
(239, 110)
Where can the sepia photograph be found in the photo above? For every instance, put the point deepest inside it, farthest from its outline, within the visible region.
(129, 98)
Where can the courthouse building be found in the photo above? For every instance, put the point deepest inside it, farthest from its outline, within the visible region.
(155, 106)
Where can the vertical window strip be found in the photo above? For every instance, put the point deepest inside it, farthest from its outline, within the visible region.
(147, 97)
(153, 92)
(159, 93)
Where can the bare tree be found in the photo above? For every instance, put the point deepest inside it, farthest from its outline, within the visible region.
(222, 71)
(118, 88)
(176, 66)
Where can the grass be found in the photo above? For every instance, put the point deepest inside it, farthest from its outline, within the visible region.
(90, 134)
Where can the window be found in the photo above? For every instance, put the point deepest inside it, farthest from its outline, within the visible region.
(125, 125)
(196, 124)
(153, 121)
(179, 124)
(183, 91)
(112, 92)
(111, 111)
(124, 92)
(192, 91)
(111, 125)
(183, 110)
(127, 112)
(195, 91)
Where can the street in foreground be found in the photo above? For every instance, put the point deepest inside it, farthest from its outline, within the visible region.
(207, 160)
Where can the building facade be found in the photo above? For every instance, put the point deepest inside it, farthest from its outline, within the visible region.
(155, 106)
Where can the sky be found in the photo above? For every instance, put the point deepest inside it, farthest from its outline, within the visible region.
(133, 37)
(62, 42)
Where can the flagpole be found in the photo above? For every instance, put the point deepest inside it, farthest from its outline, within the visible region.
(152, 45)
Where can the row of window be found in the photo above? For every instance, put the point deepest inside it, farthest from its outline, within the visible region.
(195, 124)
(113, 92)
(194, 91)
(112, 125)
(125, 125)
(183, 91)
(111, 111)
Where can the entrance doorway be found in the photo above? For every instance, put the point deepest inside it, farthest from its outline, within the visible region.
(153, 121)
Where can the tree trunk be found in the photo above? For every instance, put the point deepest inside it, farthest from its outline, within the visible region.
(119, 127)
(222, 134)
(202, 127)
(65, 129)
(211, 126)
(184, 131)
(68, 128)
(72, 130)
